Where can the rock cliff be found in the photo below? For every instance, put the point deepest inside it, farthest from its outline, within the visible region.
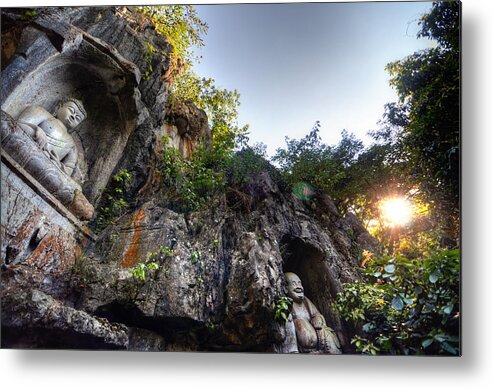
(219, 269)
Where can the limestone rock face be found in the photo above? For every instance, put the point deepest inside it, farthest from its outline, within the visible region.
(217, 271)
(220, 269)
(187, 128)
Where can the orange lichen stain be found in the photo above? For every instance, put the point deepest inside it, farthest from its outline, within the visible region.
(47, 254)
(130, 255)
(24, 232)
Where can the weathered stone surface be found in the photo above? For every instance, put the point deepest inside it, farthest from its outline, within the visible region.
(36, 229)
(223, 272)
(52, 324)
(188, 127)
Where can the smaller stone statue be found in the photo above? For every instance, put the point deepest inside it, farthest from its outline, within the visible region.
(312, 333)
(52, 133)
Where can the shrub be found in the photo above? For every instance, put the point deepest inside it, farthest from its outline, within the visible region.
(406, 306)
(113, 202)
(189, 183)
(181, 26)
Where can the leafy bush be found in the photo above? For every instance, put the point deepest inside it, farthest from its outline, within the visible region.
(181, 26)
(246, 163)
(113, 202)
(327, 168)
(140, 271)
(406, 306)
(221, 107)
(189, 183)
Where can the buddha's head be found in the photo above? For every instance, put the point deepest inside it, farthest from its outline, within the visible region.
(71, 112)
(294, 286)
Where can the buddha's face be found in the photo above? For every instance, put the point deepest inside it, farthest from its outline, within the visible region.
(295, 288)
(70, 114)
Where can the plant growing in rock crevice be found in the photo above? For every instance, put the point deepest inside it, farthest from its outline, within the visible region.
(113, 203)
(141, 270)
(148, 55)
(281, 308)
(189, 183)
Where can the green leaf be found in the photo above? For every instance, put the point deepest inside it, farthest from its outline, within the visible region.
(427, 342)
(389, 268)
(434, 277)
(449, 348)
(153, 266)
(448, 309)
(367, 327)
(397, 303)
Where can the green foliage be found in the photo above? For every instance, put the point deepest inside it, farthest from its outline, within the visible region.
(113, 202)
(140, 271)
(30, 14)
(247, 163)
(159, 255)
(181, 26)
(334, 169)
(422, 129)
(195, 256)
(281, 308)
(406, 306)
(190, 183)
(221, 107)
(148, 60)
(193, 182)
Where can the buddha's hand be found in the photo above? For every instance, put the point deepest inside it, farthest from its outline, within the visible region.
(318, 322)
(55, 159)
(40, 137)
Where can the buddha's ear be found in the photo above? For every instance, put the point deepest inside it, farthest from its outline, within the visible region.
(57, 106)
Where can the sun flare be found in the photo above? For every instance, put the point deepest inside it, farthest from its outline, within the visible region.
(396, 211)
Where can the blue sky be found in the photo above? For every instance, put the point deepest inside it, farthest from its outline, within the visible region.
(294, 64)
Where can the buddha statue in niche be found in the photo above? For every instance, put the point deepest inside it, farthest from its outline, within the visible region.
(312, 333)
(52, 133)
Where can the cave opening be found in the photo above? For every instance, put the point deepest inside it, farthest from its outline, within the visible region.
(308, 262)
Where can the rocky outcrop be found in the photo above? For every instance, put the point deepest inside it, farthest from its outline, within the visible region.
(155, 278)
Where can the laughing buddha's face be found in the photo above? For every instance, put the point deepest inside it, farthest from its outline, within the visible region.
(295, 288)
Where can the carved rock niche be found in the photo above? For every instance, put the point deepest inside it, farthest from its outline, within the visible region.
(309, 263)
(81, 66)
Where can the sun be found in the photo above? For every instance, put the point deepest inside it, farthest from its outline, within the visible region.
(396, 211)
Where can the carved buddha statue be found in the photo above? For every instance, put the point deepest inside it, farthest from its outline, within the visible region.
(52, 133)
(42, 146)
(312, 333)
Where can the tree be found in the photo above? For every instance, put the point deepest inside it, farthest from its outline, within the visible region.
(221, 107)
(327, 168)
(422, 130)
(181, 26)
